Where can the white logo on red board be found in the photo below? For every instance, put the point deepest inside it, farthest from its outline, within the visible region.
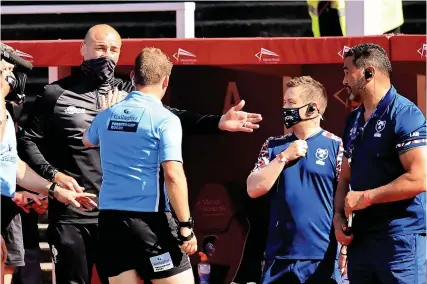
(344, 50)
(267, 56)
(422, 50)
(184, 56)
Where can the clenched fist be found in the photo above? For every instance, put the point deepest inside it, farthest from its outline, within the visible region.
(296, 150)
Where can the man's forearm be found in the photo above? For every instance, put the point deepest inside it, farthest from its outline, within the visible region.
(261, 181)
(178, 195)
(30, 180)
(343, 188)
(30, 153)
(404, 187)
(194, 123)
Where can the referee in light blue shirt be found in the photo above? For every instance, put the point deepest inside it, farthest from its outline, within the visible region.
(137, 233)
(385, 168)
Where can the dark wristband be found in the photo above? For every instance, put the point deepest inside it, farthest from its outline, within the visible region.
(188, 224)
(187, 238)
(51, 191)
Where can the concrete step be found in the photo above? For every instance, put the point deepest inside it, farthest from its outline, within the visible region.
(46, 268)
(42, 232)
(45, 255)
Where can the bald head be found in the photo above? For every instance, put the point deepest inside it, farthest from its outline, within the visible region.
(102, 31)
(101, 40)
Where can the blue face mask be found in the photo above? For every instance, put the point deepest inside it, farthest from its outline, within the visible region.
(292, 117)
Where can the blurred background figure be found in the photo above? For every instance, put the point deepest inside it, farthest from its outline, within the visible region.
(328, 17)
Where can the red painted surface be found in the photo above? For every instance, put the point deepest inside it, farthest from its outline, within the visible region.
(201, 77)
(242, 51)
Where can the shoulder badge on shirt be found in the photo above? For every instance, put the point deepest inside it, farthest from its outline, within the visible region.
(330, 135)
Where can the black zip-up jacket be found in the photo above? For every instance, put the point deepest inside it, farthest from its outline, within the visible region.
(53, 132)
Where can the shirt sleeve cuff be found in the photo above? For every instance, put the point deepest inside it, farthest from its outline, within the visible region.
(407, 145)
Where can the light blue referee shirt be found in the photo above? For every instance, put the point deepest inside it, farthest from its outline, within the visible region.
(135, 136)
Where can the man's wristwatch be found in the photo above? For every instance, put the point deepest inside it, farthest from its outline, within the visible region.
(188, 224)
(51, 191)
(185, 239)
(281, 158)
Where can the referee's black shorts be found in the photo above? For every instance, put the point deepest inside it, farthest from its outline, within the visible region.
(144, 241)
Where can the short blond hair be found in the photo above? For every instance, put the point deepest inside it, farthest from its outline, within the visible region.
(151, 65)
(313, 91)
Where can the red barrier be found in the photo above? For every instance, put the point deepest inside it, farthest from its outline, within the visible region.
(408, 48)
(244, 51)
(212, 74)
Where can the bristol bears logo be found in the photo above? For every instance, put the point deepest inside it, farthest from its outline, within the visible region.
(321, 155)
(379, 127)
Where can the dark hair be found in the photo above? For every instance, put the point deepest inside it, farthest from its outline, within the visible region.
(151, 65)
(313, 91)
(366, 54)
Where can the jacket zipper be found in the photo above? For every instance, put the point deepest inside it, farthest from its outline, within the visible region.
(97, 99)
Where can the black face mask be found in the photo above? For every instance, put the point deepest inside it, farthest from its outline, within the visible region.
(292, 117)
(99, 69)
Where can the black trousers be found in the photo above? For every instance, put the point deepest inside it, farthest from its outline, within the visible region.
(74, 251)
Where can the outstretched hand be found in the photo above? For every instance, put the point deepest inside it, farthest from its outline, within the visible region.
(237, 120)
(111, 98)
(76, 199)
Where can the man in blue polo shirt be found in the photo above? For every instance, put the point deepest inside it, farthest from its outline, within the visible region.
(299, 171)
(136, 136)
(383, 180)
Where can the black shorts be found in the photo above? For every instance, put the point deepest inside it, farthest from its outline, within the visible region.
(144, 241)
(11, 231)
